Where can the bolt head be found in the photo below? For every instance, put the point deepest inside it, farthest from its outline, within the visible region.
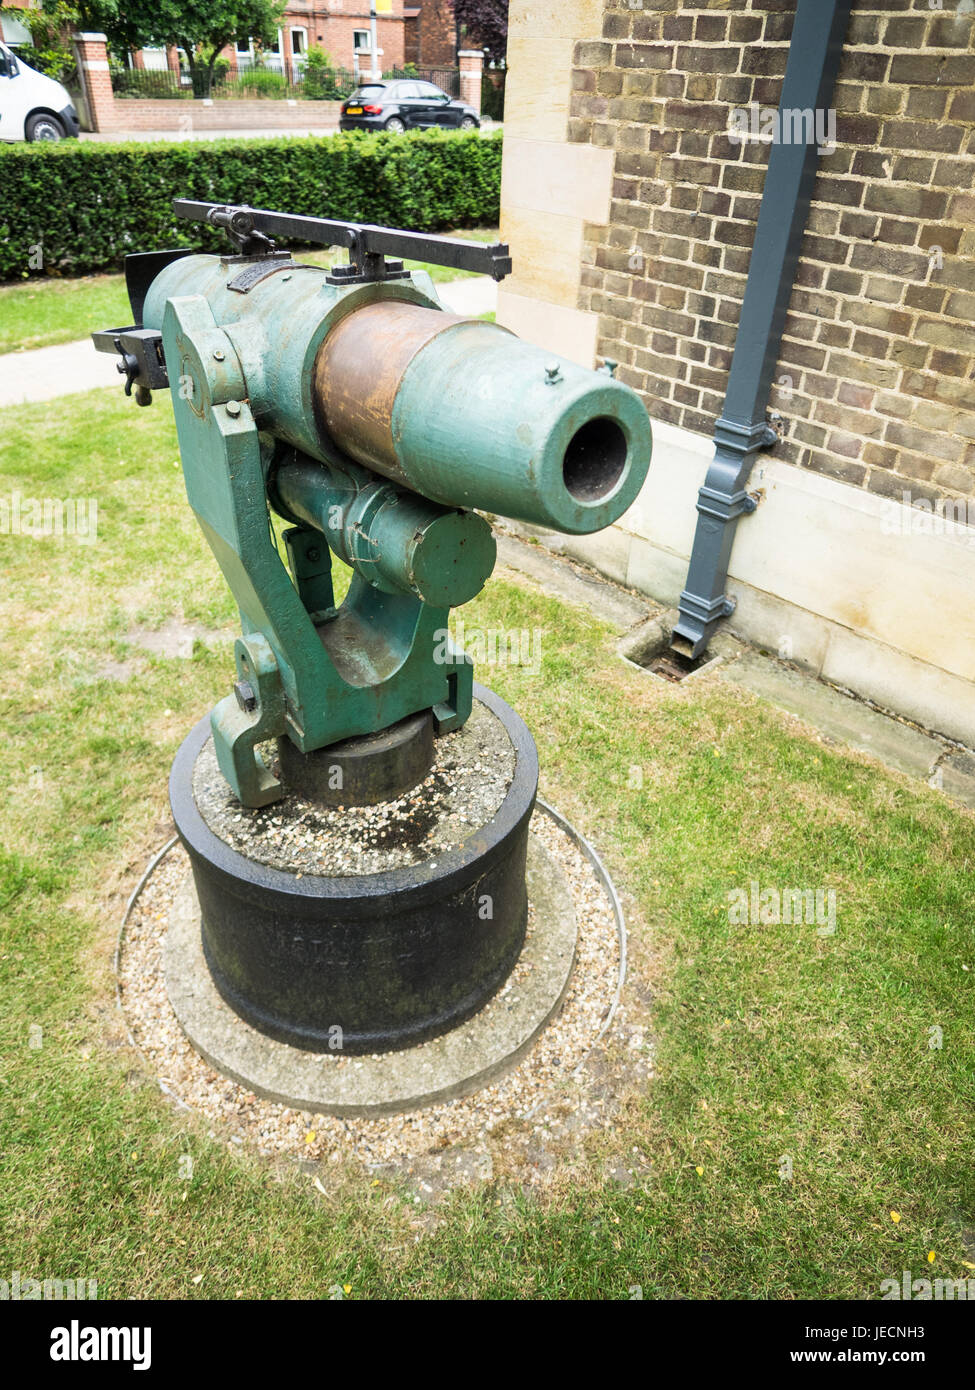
(233, 409)
(246, 698)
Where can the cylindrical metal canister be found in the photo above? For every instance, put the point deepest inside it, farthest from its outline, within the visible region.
(397, 541)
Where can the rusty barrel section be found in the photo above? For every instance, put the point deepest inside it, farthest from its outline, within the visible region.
(359, 369)
(469, 415)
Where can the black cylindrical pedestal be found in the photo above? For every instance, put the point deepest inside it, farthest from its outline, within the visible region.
(371, 963)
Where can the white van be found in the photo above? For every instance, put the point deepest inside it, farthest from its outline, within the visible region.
(32, 106)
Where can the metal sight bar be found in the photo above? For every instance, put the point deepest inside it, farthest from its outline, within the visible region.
(252, 229)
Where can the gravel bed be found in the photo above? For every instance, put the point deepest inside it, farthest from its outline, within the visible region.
(471, 774)
(454, 1140)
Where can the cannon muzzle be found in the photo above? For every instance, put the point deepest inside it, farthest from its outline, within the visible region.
(467, 414)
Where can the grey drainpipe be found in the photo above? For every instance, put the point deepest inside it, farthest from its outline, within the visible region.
(742, 430)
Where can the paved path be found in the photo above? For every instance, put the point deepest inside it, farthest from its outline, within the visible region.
(45, 373)
(476, 296)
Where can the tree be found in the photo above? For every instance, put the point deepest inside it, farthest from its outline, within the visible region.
(201, 28)
(484, 23)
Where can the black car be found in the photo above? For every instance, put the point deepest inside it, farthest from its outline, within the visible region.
(406, 104)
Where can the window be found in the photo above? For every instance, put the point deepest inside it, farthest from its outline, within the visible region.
(155, 59)
(270, 56)
(299, 42)
(17, 36)
(406, 91)
(360, 40)
(429, 92)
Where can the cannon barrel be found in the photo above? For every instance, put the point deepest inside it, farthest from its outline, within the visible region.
(459, 410)
(469, 415)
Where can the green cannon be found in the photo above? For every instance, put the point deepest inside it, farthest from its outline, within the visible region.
(379, 426)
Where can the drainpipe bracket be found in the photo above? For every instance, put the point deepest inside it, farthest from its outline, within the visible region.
(743, 440)
(723, 495)
(724, 506)
(706, 610)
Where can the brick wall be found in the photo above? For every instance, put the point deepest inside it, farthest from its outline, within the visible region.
(437, 34)
(337, 35)
(876, 381)
(471, 64)
(136, 115)
(411, 36)
(95, 77)
(330, 25)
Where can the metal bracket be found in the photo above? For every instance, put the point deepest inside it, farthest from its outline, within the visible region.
(141, 268)
(374, 268)
(253, 270)
(253, 714)
(238, 223)
(142, 364)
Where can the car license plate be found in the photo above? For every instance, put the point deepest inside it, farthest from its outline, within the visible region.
(353, 110)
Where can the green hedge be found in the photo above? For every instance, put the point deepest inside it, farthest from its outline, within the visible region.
(89, 204)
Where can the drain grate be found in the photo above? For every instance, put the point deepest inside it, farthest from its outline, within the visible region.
(674, 667)
(651, 646)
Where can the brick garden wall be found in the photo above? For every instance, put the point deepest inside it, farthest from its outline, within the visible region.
(137, 114)
(876, 381)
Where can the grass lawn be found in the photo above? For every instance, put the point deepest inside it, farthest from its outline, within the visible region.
(39, 313)
(770, 1041)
